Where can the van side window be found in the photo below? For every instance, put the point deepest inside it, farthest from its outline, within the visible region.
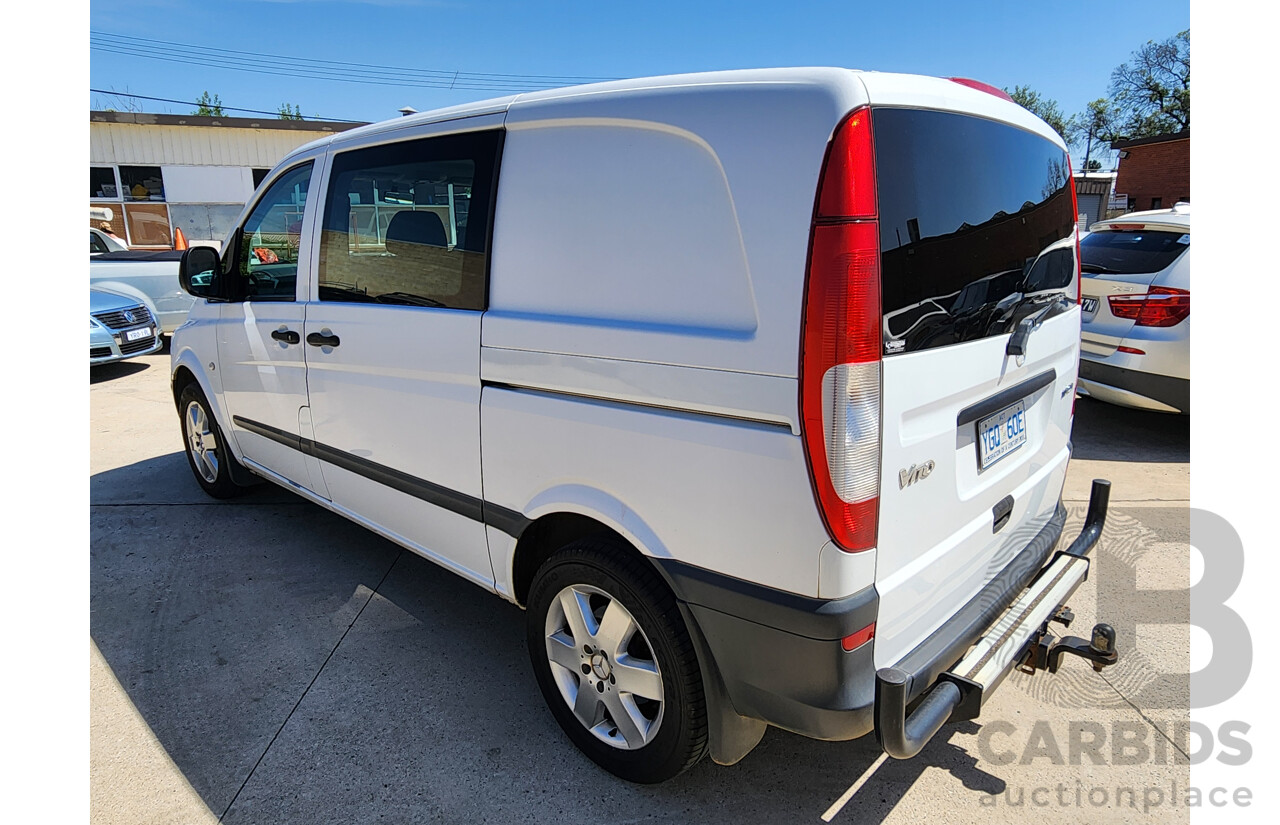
(407, 223)
(267, 257)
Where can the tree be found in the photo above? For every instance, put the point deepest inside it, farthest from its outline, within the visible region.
(1093, 166)
(1094, 129)
(209, 106)
(1152, 91)
(1042, 107)
(287, 112)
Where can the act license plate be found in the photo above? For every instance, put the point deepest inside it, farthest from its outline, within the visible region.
(138, 334)
(1001, 434)
(1089, 305)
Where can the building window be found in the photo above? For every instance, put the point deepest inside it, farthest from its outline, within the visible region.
(102, 182)
(142, 183)
(148, 225)
(1155, 203)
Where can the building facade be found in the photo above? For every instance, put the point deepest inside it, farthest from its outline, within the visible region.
(156, 173)
(1154, 172)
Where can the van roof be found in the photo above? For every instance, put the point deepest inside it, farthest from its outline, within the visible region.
(918, 91)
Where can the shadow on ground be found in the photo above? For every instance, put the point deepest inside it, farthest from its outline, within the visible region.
(1110, 433)
(297, 668)
(118, 369)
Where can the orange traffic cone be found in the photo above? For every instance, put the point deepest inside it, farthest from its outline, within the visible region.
(179, 240)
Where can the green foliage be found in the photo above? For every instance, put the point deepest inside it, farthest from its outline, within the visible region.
(1042, 107)
(209, 106)
(287, 112)
(1093, 166)
(1151, 92)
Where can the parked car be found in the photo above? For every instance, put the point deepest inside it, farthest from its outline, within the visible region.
(100, 243)
(119, 327)
(1136, 332)
(646, 393)
(149, 277)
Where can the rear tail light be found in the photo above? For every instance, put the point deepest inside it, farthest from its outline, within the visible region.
(1161, 307)
(840, 357)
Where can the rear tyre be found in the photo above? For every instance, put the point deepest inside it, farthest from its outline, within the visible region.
(615, 663)
(206, 449)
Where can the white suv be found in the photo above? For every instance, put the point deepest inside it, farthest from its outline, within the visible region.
(753, 388)
(1136, 335)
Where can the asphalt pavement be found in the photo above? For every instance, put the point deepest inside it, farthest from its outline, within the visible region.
(262, 660)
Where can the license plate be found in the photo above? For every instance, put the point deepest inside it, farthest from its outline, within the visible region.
(1089, 305)
(137, 334)
(1001, 434)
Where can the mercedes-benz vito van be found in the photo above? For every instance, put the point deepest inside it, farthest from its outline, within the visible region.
(753, 388)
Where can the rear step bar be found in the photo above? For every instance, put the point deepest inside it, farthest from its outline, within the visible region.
(1020, 637)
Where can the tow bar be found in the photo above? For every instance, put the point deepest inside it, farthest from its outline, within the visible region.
(1020, 637)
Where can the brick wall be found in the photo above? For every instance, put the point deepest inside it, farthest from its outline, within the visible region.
(1157, 170)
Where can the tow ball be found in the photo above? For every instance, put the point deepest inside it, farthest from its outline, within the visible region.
(1047, 652)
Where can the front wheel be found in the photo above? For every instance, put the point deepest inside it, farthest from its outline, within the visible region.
(207, 452)
(615, 663)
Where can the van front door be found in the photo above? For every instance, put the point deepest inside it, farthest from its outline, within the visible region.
(392, 341)
(260, 349)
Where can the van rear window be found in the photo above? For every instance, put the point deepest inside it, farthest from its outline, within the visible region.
(968, 207)
(1127, 252)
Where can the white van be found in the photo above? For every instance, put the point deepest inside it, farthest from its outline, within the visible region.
(734, 381)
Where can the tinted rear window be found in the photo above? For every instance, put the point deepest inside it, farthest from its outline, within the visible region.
(967, 207)
(1129, 252)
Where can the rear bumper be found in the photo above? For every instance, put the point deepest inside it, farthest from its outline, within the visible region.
(779, 656)
(1132, 388)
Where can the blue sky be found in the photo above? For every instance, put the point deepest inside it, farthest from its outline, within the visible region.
(1064, 51)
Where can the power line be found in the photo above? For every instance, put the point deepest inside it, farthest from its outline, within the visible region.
(219, 106)
(441, 72)
(327, 70)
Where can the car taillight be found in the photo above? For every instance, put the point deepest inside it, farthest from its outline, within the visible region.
(840, 356)
(1163, 306)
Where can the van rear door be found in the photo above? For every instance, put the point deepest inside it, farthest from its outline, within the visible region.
(977, 247)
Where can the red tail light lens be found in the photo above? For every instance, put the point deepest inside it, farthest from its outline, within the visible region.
(840, 356)
(1161, 307)
(848, 186)
(856, 640)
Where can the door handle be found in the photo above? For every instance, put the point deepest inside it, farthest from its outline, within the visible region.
(316, 339)
(286, 335)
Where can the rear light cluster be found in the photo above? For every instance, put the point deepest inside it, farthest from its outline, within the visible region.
(840, 357)
(1163, 306)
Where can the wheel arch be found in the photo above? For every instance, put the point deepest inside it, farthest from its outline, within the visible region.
(550, 532)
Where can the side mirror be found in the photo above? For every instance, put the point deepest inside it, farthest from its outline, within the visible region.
(196, 271)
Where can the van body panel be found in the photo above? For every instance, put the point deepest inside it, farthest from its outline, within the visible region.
(685, 481)
(715, 226)
(763, 398)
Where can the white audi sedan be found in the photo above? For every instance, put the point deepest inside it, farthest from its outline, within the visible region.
(1136, 297)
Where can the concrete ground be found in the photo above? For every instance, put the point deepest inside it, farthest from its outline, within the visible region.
(265, 661)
